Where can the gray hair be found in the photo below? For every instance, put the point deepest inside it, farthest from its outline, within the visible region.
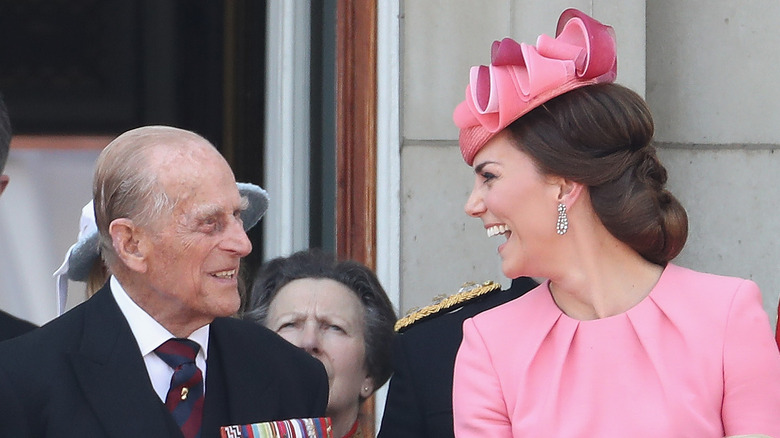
(126, 183)
(378, 311)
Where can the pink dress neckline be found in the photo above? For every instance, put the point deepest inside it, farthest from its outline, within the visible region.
(696, 357)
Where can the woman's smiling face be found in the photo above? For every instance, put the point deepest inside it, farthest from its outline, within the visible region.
(515, 200)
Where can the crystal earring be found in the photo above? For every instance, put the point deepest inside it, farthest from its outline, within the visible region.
(563, 221)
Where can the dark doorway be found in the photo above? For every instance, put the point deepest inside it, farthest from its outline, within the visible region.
(93, 67)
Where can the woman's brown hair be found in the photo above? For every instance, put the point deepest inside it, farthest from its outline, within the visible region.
(600, 136)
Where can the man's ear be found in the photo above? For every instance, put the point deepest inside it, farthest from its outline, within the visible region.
(3, 182)
(126, 239)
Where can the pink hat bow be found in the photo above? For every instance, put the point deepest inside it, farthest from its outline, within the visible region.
(521, 77)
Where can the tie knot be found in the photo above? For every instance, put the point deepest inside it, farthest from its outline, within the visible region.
(177, 352)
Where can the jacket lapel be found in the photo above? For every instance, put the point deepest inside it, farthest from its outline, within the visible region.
(234, 366)
(113, 376)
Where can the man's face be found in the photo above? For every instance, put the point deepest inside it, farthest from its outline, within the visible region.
(193, 256)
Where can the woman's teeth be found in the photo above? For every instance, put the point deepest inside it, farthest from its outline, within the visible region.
(497, 229)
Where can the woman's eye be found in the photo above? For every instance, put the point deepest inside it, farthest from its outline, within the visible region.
(487, 176)
(334, 327)
(286, 325)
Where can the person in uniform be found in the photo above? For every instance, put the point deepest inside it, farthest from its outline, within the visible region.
(419, 400)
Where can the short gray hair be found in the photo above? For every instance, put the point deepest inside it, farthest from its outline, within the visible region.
(126, 184)
(377, 308)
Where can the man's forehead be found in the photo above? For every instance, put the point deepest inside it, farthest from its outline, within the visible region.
(199, 180)
(179, 164)
(185, 176)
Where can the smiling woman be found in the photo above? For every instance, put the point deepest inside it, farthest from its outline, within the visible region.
(618, 341)
(339, 313)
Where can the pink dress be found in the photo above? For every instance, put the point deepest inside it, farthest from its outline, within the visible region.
(696, 358)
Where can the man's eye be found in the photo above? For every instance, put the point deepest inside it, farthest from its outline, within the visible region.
(211, 224)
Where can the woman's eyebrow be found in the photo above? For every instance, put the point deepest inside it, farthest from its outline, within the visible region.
(480, 166)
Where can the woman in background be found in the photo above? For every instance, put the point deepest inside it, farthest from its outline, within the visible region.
(619, 341)
(340, 314)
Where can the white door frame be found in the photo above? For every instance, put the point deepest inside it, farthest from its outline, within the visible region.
(287, 141)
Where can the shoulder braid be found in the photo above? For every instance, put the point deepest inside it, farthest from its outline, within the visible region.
(469, 291)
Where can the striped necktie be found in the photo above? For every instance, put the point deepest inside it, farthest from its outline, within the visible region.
(185, 396)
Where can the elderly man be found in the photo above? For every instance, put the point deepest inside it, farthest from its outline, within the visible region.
(10, 326)
(169, 218)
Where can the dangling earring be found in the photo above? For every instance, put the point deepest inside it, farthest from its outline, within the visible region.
(563, 221)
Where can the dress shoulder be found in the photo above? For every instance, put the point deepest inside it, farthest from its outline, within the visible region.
(443, 304)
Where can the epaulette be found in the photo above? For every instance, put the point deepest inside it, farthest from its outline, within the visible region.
(443, 303)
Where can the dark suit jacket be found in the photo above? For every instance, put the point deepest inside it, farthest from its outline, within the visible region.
(419, 400)
(11, 326)
(82, 375)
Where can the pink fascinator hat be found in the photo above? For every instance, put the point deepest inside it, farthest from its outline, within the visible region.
(521, 77)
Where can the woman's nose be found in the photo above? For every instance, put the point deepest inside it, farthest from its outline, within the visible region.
(310, 339)
(474, 205)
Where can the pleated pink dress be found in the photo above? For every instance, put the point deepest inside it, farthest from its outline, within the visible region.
(695, 358)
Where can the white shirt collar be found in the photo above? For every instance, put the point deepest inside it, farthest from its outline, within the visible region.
(147, 331)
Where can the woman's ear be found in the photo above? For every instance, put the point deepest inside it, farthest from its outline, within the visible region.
(367, 387)
(126, 237)
(570, 192)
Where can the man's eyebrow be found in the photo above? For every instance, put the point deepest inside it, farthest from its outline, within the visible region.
(207, 211)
